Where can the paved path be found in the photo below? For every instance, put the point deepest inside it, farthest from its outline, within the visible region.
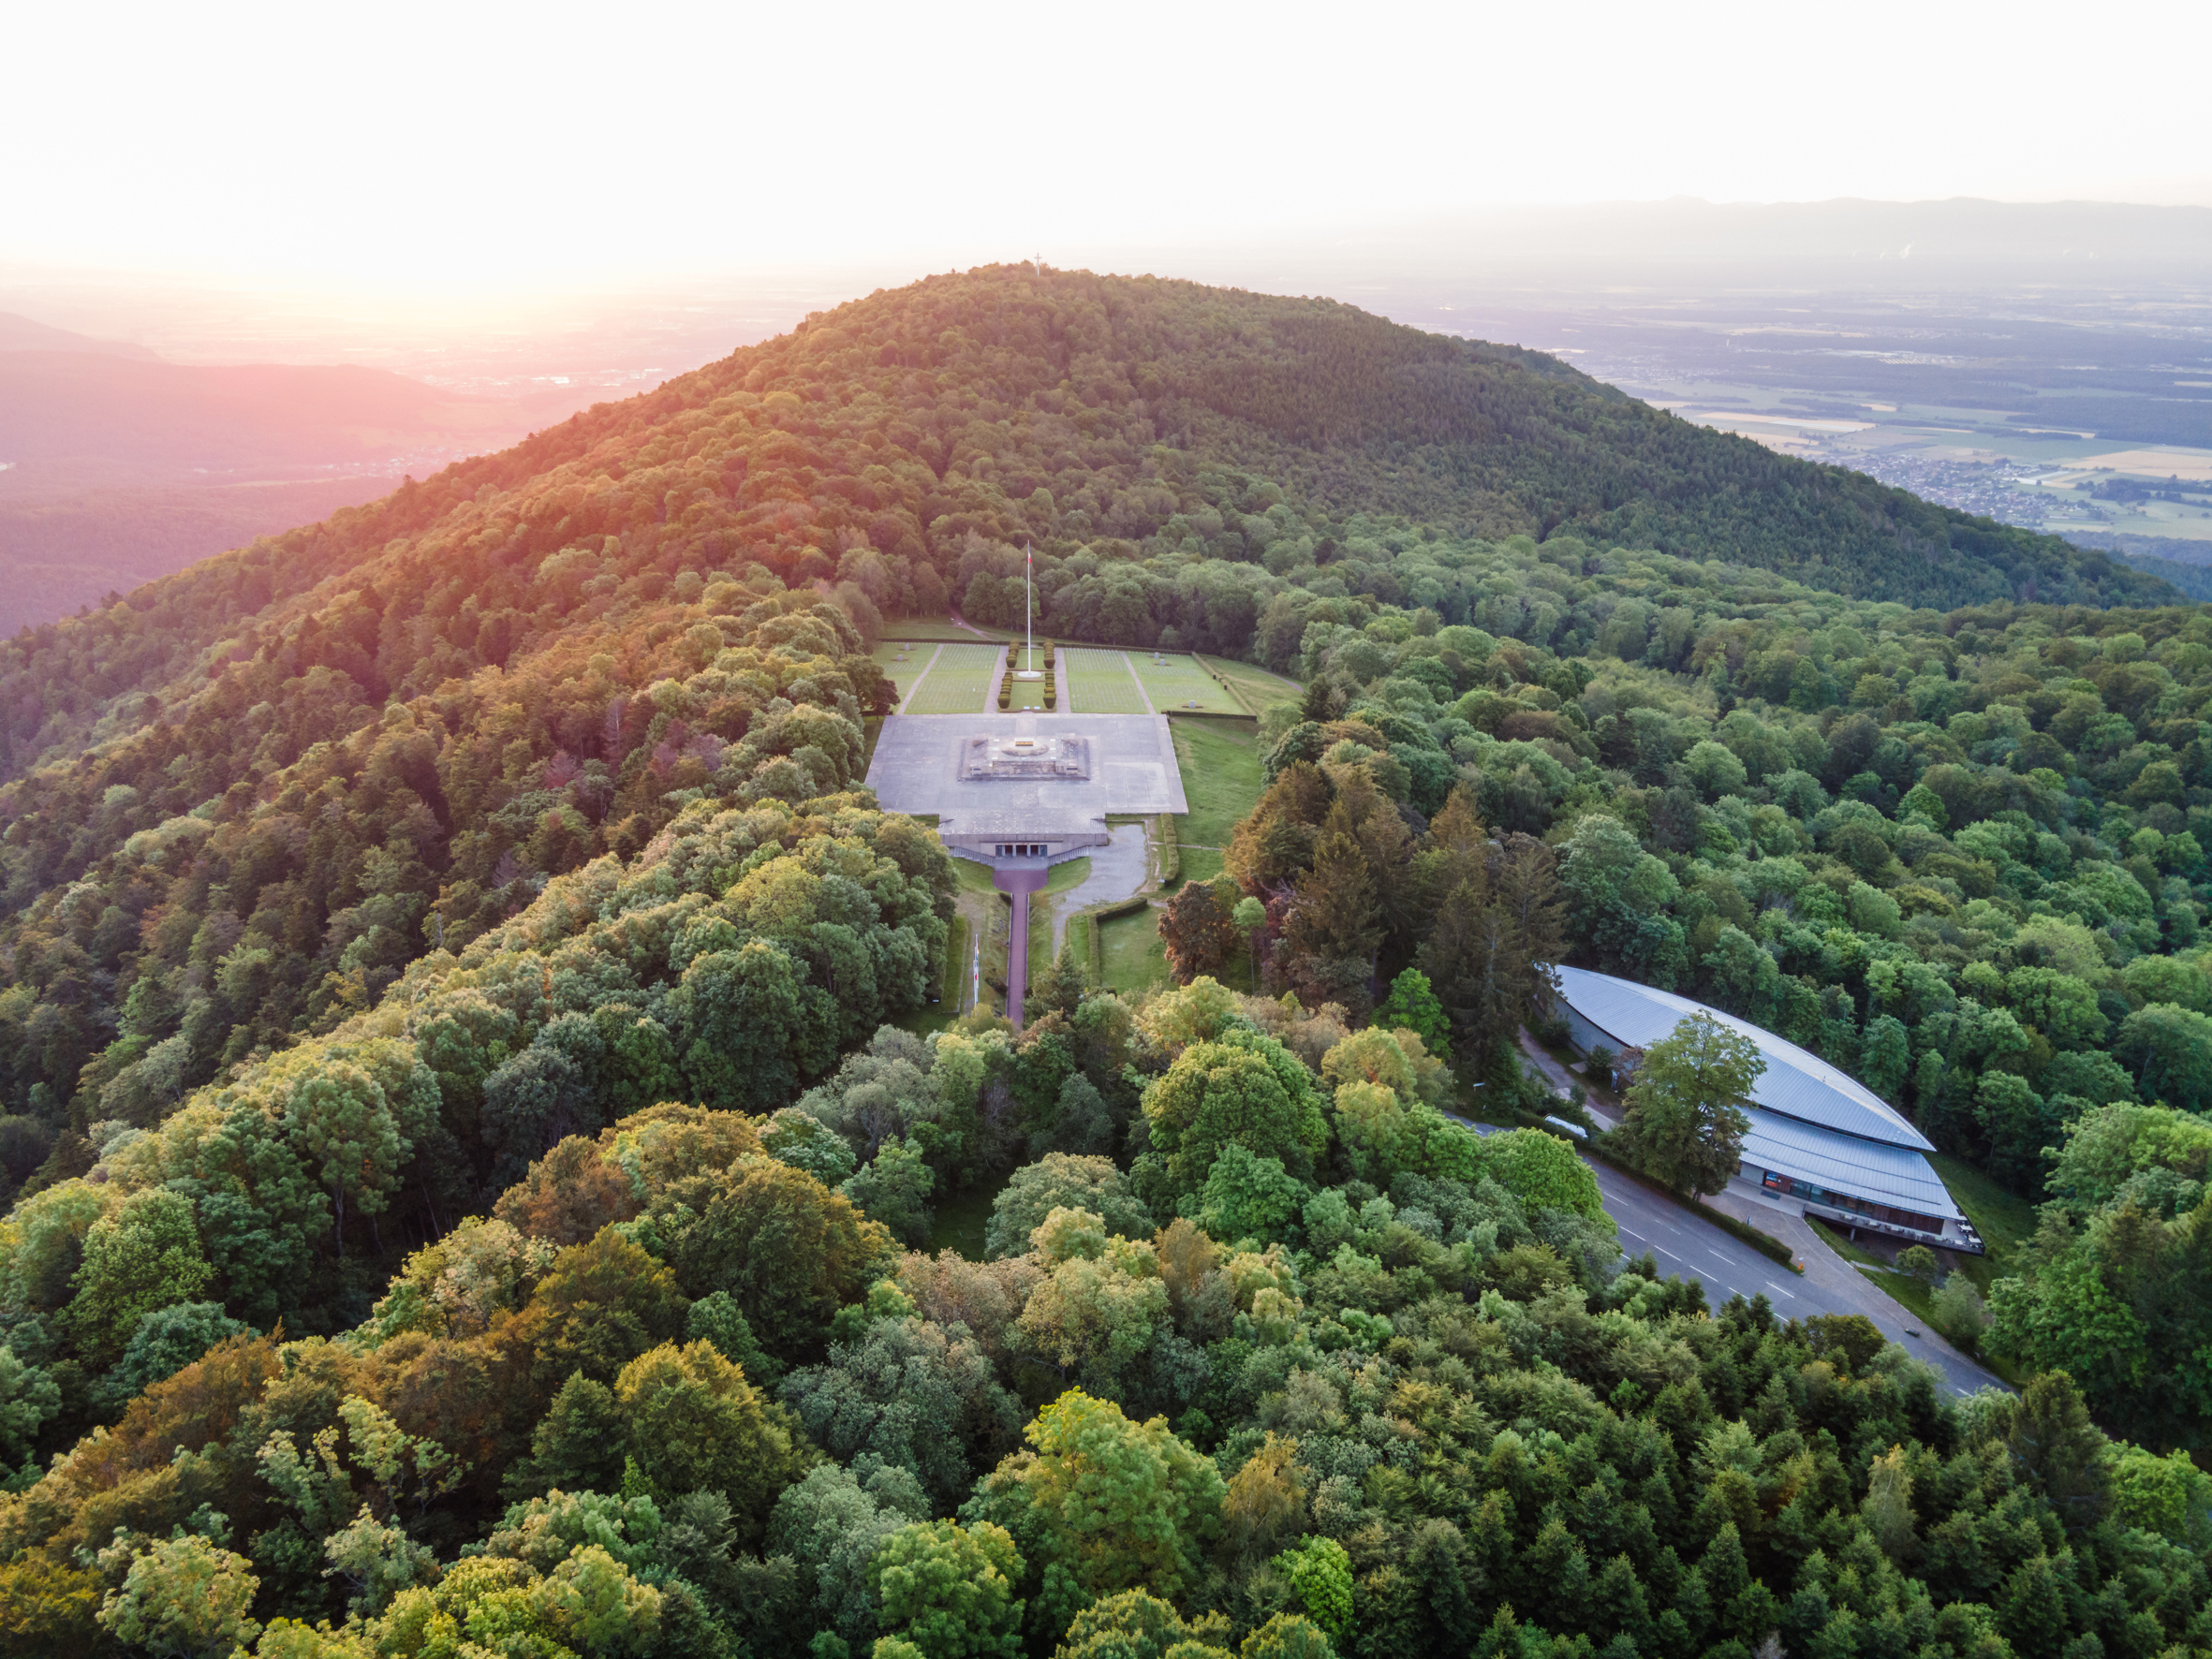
(991, 692)
(1020, 882)
(1144, 695)
(1060, 681)
(920, 677)
(1117, 871)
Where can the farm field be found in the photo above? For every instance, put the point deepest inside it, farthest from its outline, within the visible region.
(1098, 683)
(1177, 683)
(959, 682)
(903, 663)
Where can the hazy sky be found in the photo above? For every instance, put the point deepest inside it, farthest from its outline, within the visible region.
(453, 143)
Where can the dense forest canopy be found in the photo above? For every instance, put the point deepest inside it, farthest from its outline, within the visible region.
(472, 1174)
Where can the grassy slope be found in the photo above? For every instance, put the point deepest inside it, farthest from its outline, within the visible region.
(1220, 766)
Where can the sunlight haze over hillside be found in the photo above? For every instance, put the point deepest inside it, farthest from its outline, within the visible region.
(428, 144)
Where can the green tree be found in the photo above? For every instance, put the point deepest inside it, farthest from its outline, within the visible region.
(1320, 1570)
(1136, 1624)
(1544, 1172)
(2063, 1454)
(2170, 1051)
(893, 1188)
(1885, 1057)
(29, 1399)
(787, 1249)
(1062, 1180)
(341, 1119)
(1062, 989)
(578, 1443)
(1287, 1635)
(1104, 1305)
(692, 1422)
(1246, 1197)
(834, 1527)
(1684, 1116)
(949, 1590)
(1244, 1088)
(1248, 917)
(2169, 1495)
(165, 1341)
(184, 1596)
(1118, 1504)
(1919, 1262)
(1957, 1311)
(1412, 1005)
(140, 1256)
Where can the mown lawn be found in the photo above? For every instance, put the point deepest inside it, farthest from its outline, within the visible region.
(1259, 688)
(903, 663)
(958, 684)
(1134, 956)
(1098, 683)
(1220, 765)
(1178, 682)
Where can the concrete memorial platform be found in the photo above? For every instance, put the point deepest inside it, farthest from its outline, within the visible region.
(1019, 793)
(921, 766)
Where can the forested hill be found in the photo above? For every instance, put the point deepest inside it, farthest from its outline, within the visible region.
(1131, 428)
(249, 794)
(461, 1115)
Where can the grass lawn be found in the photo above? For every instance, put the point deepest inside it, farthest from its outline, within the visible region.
(1178, 682)
(1909, 1293)
(958, 1221)
(2004, 1219)
(958, 684)
(1134, 956)
(1220, 765)
(1098, 683)
(972, 877)
(1040, 915)
(903, 663)
(1259, 688)
(933, 627)
(927, 1020)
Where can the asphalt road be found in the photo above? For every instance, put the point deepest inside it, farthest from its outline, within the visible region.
(1687, 1247)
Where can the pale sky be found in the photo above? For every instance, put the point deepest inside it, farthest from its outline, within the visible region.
(456, 143)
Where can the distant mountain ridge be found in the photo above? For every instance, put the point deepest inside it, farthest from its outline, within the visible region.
(20, 333)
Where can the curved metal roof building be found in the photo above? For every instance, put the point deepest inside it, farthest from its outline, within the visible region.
(1817, 1136)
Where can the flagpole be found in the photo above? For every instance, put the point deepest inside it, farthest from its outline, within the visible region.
(1028, 610)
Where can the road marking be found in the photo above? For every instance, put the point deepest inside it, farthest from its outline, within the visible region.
(1780, 1291)
(1668, 1254)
